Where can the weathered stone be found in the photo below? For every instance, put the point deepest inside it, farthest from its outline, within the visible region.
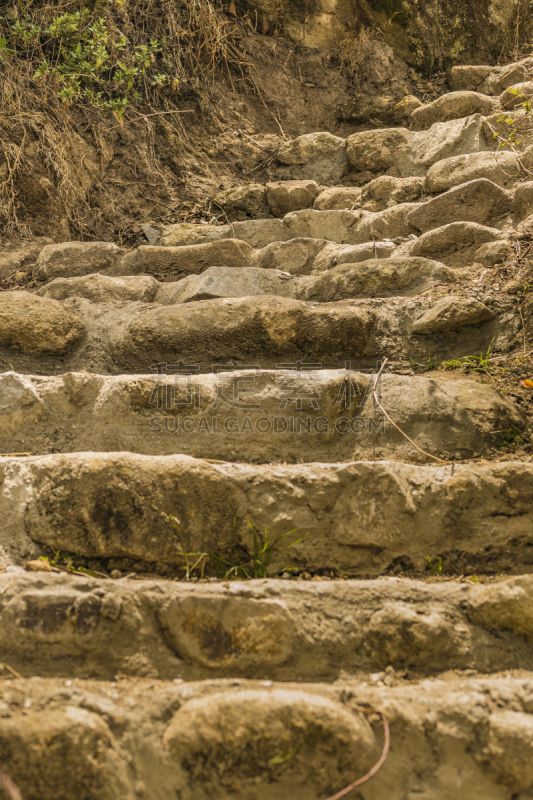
(170, 263)
(479, 201)
(61, 753)
(523, 201)
(314, 156)
(338, 197)
(501, 168)
(377, 150)
(500, 78)
(37, 325)
(402, 111)
(454, 244)
(389, 277)
(241, 327)
(336, 226)
(468, 78)
(102, 288)
(226, 282)
(264, 723)
(286, 196)
(444, 140)
(355, 253)
(454, 105)
(450, 313)
(387, 191)
(517, 94)
(243, 202)
(240, 417)
(72, 259)
(389, 224)
(263, 629)
(491, 253)
(367, 511)
(16, 254)
(187, 233)
(296, 256)
(90, 731)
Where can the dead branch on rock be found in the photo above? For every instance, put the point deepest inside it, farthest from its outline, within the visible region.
(377, 766)
(7, 782)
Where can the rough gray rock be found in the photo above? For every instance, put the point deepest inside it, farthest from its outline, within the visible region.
(389, 224)
(454, 105)
(450, 313)
(320, 157)
(479, 201)
(390, 277)
(170, 263)
(286, 196)
(454, 244)
(338, 197)
(502, 168)
(71, 259)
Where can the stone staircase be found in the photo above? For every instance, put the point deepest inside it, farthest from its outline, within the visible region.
(234, 405)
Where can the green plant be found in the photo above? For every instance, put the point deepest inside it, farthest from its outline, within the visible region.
(424, 367)
(436, 570)
(480, 363)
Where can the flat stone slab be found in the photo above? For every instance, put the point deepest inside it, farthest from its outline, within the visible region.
(358, 518)
(454, 244)
(167, 729)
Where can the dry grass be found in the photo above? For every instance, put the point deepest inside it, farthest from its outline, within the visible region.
(196, 47)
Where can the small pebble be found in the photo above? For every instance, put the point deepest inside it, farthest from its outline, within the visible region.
(116, 573)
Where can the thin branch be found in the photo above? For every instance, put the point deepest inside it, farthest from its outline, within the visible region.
(9, 785)
(377, 402)
(377, 766)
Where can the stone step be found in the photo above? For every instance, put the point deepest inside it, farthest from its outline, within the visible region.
(293, 414)
(258, 740)
(358, 519)
(76, 626)
(42, 335)
(490, 80)
(389, 277)
(299, 256)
